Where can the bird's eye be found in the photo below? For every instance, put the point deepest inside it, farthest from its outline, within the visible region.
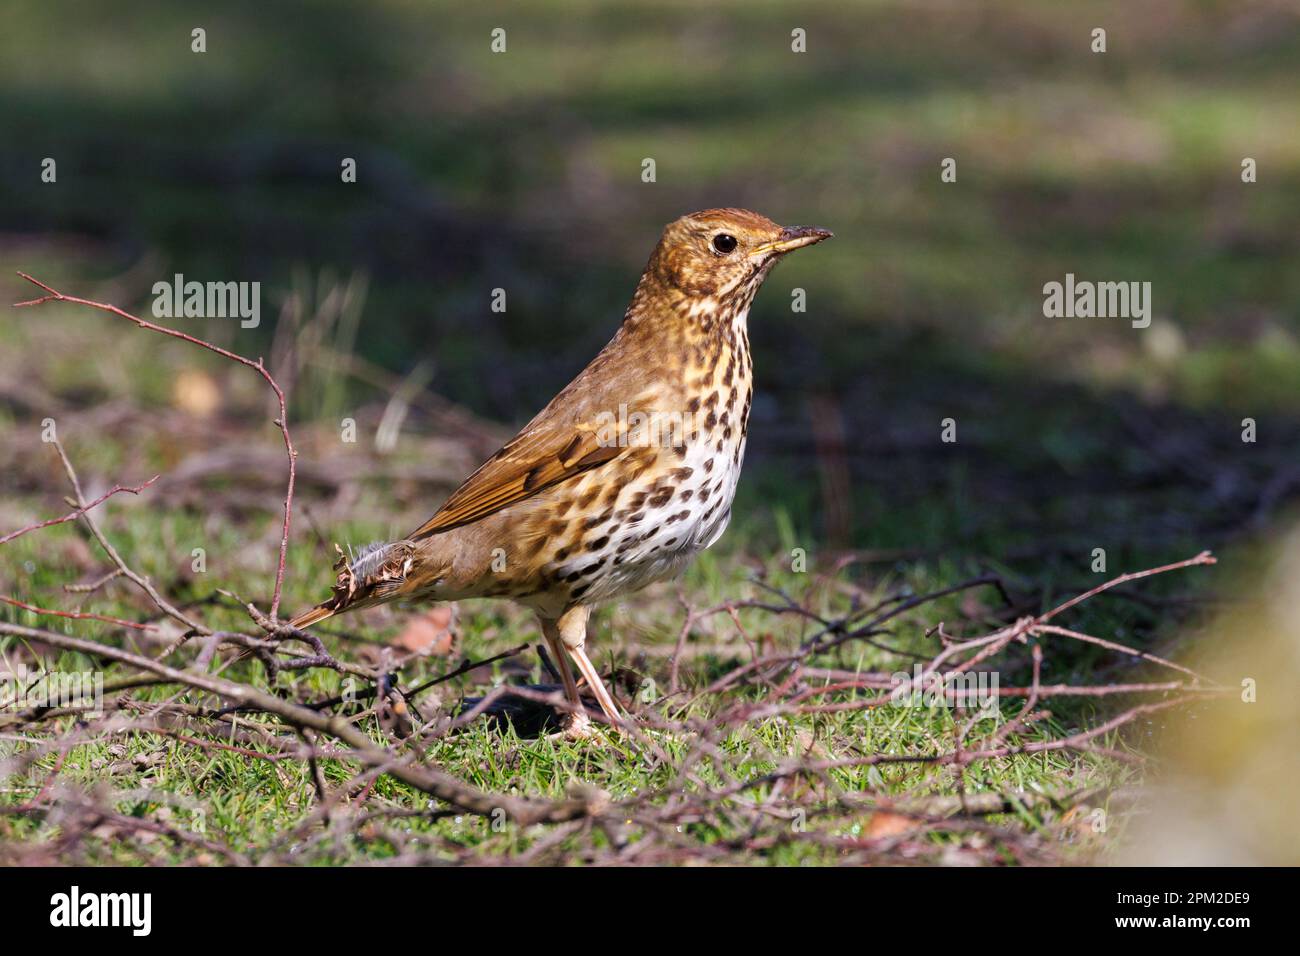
(724, 243)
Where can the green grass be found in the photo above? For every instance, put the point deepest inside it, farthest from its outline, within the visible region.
(249, 804)
(254, 807)
(521, 171)
(1120, 166)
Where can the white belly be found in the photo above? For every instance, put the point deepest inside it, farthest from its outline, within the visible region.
(694, 520)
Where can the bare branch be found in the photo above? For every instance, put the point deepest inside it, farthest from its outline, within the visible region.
(77, 615)
(78, 512)
(283, 421)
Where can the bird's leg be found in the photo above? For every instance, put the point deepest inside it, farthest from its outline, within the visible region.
(573, 632)
(577, 720)
(603, 696)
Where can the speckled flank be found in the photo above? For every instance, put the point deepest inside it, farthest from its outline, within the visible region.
(631, 469)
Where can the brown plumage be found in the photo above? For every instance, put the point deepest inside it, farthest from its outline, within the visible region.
(628, 472)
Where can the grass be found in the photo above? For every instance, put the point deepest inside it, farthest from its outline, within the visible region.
(249, 804)
(1123, 166)
(521, 172)
(252, 804)
(262, 809)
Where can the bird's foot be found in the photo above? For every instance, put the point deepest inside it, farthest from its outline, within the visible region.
(574, 727)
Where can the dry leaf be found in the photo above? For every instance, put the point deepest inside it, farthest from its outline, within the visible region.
(886, 824)
(432, 633)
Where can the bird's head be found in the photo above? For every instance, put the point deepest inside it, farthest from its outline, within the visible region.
(722, 254)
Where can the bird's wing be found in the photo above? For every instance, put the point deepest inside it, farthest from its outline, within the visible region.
(542, 455)
(576, 432)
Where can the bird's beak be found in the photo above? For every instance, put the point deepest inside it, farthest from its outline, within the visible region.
(793, 237)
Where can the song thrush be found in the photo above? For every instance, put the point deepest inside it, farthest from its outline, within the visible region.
(625, 476)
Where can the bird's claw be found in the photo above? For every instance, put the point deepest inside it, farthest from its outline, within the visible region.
(575, 726)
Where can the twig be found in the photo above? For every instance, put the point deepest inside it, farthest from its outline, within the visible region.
(140, 581)
(94, 585)
(433, 782)
(1114, 646)
(1205, 557)
(282, 421)
(78, 615)
(77, 513)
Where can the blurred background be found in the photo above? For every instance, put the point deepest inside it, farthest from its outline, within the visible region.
(522, 171)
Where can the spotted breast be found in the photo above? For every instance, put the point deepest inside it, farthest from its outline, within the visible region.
(672, 498)
(628, 473)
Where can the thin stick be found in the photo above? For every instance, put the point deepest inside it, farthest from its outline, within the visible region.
(282, 421)
(137, 579)
(1113, 646)
(78, 615)
(77, 513)
(1205, 557)
(93, 585)
(433, 782)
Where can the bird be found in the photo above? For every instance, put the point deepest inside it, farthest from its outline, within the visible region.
(623, 478)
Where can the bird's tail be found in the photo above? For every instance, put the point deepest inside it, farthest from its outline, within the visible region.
(316, 614)
(375, 574)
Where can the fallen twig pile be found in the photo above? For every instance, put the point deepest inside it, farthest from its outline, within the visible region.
(703, 780)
